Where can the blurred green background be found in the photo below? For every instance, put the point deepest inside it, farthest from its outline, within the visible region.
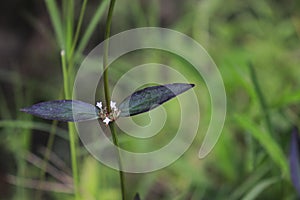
(255, 44)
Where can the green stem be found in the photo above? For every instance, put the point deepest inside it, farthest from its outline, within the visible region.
(65, 74)
(46, 157)
(48, 151)
(74, 43)
(69, 22)
(107, 93)
(116, 143)
(105, 57)
(82, 11)
(261, 99)
(73, 144)
(72, 132)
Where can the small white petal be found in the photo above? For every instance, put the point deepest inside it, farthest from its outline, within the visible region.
(106, 120)
(99, 105)
(113, 105)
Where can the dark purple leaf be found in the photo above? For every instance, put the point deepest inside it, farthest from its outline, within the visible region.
(64, 110)
(294, 160)
(137, 197)
(149, 98)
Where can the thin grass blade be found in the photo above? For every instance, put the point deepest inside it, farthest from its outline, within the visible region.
(56, 21)
(92, 26)
(260, 187)
(267, 142)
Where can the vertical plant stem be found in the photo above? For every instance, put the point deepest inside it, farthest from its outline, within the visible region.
(56, 21)
(72, 133)
(65, 74)
(91, 27)
(69, 23)
(73, 144)
(105, 57)
(46, 158)
(23, 142)
(71, 58)
(116, 143)
(261, 99)
(107, 93)
(78, 27)
(48, 151)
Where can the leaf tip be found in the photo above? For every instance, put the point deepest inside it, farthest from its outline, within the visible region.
(62, 53)
(23, 110)
(137, 197)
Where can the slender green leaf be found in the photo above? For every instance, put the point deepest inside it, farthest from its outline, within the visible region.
(68, 8)
(92, 25)
(149, 98)
(78, 27)
(56, 21)
(261, 99)
(267, 142)
(260, 187)
(252, 179)
(64, 110)
(33, 125)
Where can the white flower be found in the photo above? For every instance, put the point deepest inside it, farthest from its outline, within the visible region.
(113, 105)
(106, 120)
(99, 105)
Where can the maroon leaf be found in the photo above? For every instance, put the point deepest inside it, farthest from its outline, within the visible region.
(149, 98)
(294, 160)
(64, 110)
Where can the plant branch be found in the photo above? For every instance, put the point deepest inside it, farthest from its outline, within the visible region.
(107, 93)
(116, 143)
(78, 28)
(72, 133)
(105, 57)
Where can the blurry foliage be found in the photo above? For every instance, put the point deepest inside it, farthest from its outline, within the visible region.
(242, 164)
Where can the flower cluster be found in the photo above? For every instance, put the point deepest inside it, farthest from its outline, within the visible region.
(108, 117)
